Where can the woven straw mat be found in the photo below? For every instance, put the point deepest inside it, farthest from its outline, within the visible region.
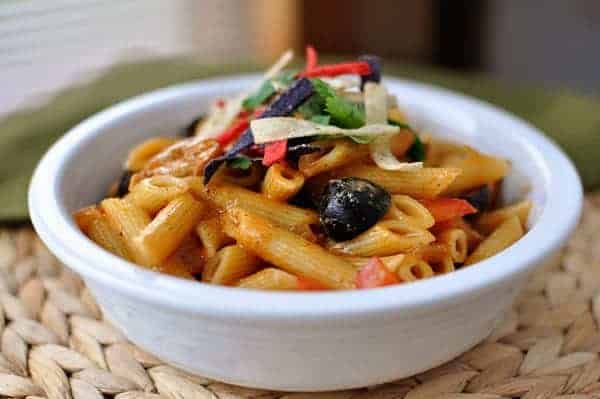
(54, 343)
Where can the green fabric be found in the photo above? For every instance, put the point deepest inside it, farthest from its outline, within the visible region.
(572, 120)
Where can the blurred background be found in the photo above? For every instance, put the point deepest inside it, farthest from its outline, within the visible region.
(46, 45)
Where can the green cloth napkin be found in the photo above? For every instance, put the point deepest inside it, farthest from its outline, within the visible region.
(572, 120)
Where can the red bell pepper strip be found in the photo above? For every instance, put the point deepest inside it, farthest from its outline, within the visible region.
(308, 284)
(312, 58)
(343, 68)
(233, 132)
(375, 274)
(274, 152)
(443, 209)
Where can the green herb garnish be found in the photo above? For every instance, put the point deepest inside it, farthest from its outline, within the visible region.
(417, 150)
(263, 93)
(343, 113)
(240, 162)
(320, 119)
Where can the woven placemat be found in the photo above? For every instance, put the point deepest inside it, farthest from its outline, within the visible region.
(55, 344)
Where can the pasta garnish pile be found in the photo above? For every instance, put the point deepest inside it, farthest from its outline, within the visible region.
(313, 180)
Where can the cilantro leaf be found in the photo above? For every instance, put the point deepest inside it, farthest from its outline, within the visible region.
(417, 150)
(320, 119)
(263, 93)
(311, 107)
(240, 162)
(344, 113)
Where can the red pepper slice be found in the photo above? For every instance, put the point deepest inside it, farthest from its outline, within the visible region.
(358, 68)
(274, 152)
(375, 274)
(312, 58)
(308, 284)
(233, 132)
(443, 209)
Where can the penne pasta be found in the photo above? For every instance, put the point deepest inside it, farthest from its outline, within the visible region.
(229, 265)
(270, 279)
(387, 237)
(405, 208)
(287, 250)
(153, 193)
(94, 224)
(476, 170)
(293, 218)
(490, 221)
(420, 183)
(412, 269)
(503, 237)
(211, 235)
(333, 154)
(456, 242)
(166, 232)
(281, 182)
(128, 220)
(140, 155)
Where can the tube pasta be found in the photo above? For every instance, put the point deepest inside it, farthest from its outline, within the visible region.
(140, 155)
(334, 154)
(128, 220)
(211, 235)
(477, 170)
(270, 279)
(229, 265)
(93, 223)
(504, 236)
(456, 241)
(281, 182)
(287, 250)
(166, 232)
(490, 221)
(153, 193)
(412, 269)
(405, 208)
(420, 183)
(225, 196)
(387, 237)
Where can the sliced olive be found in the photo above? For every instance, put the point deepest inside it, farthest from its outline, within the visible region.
(480, 198)
(123, 187)
(350, 206)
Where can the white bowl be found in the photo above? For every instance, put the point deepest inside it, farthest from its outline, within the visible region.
(302, 341)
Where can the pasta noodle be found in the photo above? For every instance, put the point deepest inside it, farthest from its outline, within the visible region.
(229, 265)
(405, 208)
(505, 235)
(412, 269)
(287, 250)
(456, 242)
(420, 183)
(211, 235)
(387, 237)
(128, 220)
(94, 224)
(166, 232)
(488, 222)
(154, 193)
(282, 182)
(477, 170)
(270, 279)
(140, 155)
(333, 154)
(243, 178)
